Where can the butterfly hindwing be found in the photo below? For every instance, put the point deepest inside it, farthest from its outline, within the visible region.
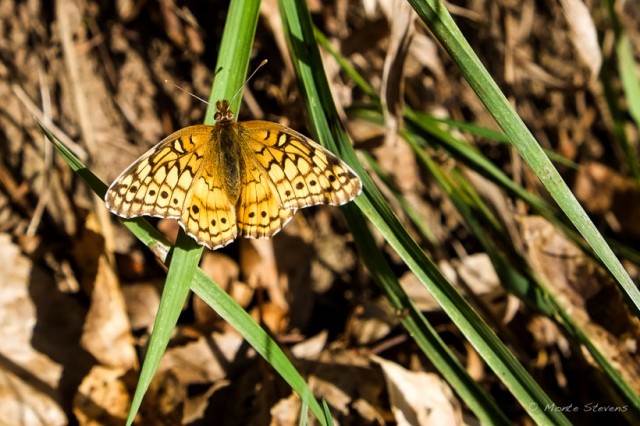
(303, 172)
(208, 215)
(259, 211)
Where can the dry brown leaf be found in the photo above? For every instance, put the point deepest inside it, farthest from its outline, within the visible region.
(220, 268)
(169, 228)
(107, 331)
(128, 9)
(331, 249)
(401, 17)
(583, 288)
(475, 365)
(419, 398)
(603, 190)
(285, 412)
(225, 272)
(500, 204)
(312, 347)
(476, 272)
(98, 118)
(196, 404)
(341, 378)
(418, 293)
(136, 97)
(39, 328)
(628, 12)
(400, 161)
(584, 34)
(596, 186)
(365, 134)
(373, 321)
(568, 271)
(142, 301)
(269, 11)
(294, 253)
(23, 404)
(479, 276)
(164, 401)
(425, 52)
(274, 318)
(260, 270)
(204, 360)
(103, 398)
(551, 346)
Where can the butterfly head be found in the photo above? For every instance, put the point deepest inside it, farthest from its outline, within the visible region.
(223, 113)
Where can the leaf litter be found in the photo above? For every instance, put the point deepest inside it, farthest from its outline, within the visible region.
(79, 294)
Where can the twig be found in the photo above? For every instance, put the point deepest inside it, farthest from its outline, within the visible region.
(23, 97)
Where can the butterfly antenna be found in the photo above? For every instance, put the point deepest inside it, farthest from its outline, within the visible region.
(263, 63)
(186, 91)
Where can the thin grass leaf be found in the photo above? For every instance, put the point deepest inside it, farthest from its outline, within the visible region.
(327, 126)
(520, 283)
(209, 291)
(172, 300)
(435, 15)
(327, 412)
(627, 69)
(629, 77)
(186, 255)
(411, 213)
(303, 419)
(232, 63)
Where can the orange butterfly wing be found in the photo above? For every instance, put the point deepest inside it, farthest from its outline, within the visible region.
(178, 179)
(285, 171)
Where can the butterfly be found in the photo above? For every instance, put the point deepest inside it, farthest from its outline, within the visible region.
(231, 179)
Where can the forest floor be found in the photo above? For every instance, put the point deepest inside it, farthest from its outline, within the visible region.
(79, 293)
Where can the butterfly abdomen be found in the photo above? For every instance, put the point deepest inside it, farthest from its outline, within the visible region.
(230, 162)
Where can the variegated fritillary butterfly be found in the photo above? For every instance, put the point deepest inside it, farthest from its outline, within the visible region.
(231, 179)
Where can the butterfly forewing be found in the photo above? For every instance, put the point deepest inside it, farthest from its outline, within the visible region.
(303, 173)
(177, 179)
(158, 183)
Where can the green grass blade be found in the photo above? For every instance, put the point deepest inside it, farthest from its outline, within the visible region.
(329, 130)
(434, 14)
(232, 64)
(627, 69)
(519, 282)
(203, 286)
(234, 55)
(629, 77)
(185, 257)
